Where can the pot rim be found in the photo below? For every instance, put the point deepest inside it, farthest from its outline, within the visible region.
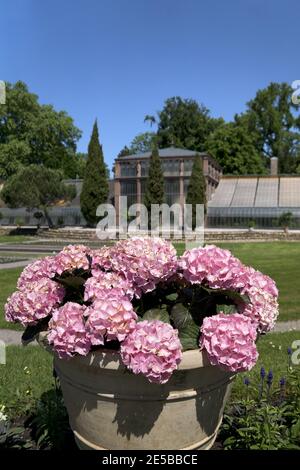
(111, 359)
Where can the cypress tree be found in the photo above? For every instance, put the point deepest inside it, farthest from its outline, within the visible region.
(154, 193)
(197, 188)
(95, 188)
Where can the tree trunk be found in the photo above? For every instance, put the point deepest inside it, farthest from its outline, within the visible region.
(48, 218)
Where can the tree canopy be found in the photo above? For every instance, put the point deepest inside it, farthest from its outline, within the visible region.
(272, 121)
(233, 147)
(36, 187)
(143, 142)
(32, 133)
(186, 124)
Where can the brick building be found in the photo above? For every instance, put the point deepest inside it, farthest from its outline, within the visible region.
(131, 174)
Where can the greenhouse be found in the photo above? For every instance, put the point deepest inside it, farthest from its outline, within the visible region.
(262, 201)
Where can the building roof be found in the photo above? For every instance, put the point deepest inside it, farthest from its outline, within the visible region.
(166, 152)
(257, 192)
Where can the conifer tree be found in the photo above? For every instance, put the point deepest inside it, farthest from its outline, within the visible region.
(197, 188)
(154, 193)
(95, 188)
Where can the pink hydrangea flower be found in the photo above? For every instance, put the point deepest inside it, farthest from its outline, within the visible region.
(101, 283)
(101, 258)
(37, 302)
(143, 261)
(263, 308)
(229, 341)
(210, 265)
(111, 318)
(249, 278)
(67, 331)
(70, 258)
(152, 349)
(39, 269)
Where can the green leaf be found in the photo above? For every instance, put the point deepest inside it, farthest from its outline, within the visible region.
(226, 309)
(32, 331)
(157, 314)
(229, 440)
(15, 431)
(188, 330)
(229, 294)
(180, 316)
(172, 297)
(295, 429)
(189, 336)
(71, 281)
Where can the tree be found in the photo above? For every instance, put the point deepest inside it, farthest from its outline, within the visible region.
(234, 149)
(285, 220)
(186, 124)
(36, 187)
(271, 120)
(142, 143)
(95, 188)
(196, 193)
(154, 193)
(124, 152)
(74, 166)
(81, 164)
(31, 133)
(151, 119)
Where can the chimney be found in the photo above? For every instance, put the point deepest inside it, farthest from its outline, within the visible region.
(274, 166)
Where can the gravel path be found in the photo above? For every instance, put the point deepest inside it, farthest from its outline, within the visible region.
(11, 337)
(14, 337)
(15, 264)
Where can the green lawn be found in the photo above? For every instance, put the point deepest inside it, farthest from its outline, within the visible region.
(14, 238)
(20, 387)
(280, 260)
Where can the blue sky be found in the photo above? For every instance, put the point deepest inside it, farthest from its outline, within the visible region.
(118, 60)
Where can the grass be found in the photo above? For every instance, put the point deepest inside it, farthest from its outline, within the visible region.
(272, 355)
(14, 238)
(20, 387)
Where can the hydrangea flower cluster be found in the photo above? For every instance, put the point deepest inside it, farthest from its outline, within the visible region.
(143, 261)
(71, 258)
(39, 269)
(229, 341)
(263, 308)
(101, 283)
(68, 334)
(37, 302)
(152, 349)
(219, 269)
(124, 292)
(210, 265)
(110, 319)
